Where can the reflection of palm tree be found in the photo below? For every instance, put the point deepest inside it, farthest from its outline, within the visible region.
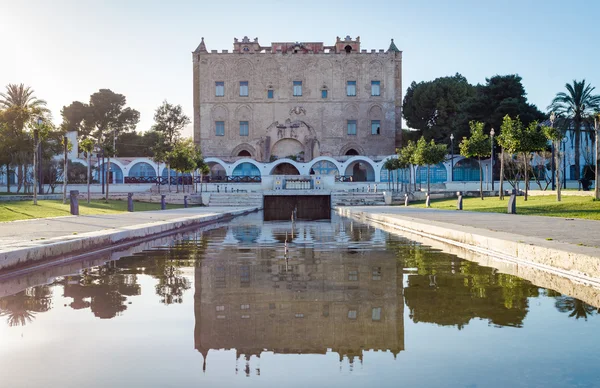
(576, 307)
(20, 309)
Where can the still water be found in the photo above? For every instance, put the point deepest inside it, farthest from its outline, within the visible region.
(253, 304)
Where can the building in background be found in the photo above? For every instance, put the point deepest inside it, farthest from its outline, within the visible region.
(297, 100)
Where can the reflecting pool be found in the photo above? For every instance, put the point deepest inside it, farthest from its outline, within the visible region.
(263, 304)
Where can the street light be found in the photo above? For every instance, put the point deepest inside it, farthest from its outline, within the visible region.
(552, 118)
(452, 157)
(36, 135)
(492, 133)
(597, 183)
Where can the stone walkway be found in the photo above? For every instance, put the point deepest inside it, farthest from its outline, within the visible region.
(568, 230)
(39, 239)
(568, 247)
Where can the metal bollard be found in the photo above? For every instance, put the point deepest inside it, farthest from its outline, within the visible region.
(74, 201)
(375, 188)
(217, 188)
(185, 203)
(405, 199)
(163, 202)
(512, 203)
(459, 203)
(130, 202)
(427, 201)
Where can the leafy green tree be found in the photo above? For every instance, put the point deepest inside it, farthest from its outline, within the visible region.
(434, 107)
(407, 155)
(477, 146)
(427, 154)
(391, 166)
(555, 135)
(22, 108)
(533, 140)
(169, 121)
(501, 95)
(577, 106)
(182, 157)
(106, 118)
(200, 165)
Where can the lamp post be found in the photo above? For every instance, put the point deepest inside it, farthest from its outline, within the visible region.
(36, 135)
(597, 172)
(492, 133)
(552, 118)
(564, 158)
(452, 157)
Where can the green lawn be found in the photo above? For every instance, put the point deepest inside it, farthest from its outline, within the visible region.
(569, 207)
(23, 210)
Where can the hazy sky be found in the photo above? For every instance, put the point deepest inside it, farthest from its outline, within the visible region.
(66, 50)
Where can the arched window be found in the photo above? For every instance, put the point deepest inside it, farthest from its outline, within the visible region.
(325, 167)
(142, 169)
(437, 174)
(246, 169)
(351, 152)
(115, 176)
(244, 153)
(348, 49)
(466, 170)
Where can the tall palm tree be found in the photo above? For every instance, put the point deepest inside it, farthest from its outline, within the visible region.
(21, 97)
(578, 105)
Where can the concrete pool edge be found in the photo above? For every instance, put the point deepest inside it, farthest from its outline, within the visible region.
(76, 245)
(578, 263)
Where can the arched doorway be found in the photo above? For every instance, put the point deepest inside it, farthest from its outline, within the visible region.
(142, 170)
(324, 167)
(217, 172)
(466, 170)
(115, 175)
(246, 169)
(244, 153)
(360, 172)
(437, 174)
(352, 152)
(285, 169)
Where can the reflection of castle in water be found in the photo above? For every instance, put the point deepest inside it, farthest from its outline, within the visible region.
(346, 299)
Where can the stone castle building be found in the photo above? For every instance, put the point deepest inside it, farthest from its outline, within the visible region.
(297, 100)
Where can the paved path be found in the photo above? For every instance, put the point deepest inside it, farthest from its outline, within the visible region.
(25, 241)
(569, 247)
(567, 230)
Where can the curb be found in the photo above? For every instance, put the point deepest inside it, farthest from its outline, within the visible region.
(580, 267)
(88, 242)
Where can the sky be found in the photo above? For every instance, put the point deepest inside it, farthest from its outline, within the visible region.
(66, 50)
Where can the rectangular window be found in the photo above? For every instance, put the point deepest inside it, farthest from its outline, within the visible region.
(299, 315)
(324, 93)
(352, 314)
(375, 127)
(245, 316)
(219, 89)
(221, 317)
(376, 314)
(243, 128)
(220, 128)
(243, 88)
(351, 88)
(297, 88)
(375, 88)
(270, 93)
(245, 307)
(351, 127)
(220, 308)
(376, 273)
(353, 275)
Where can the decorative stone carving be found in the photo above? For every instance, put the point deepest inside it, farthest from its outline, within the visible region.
(298, 110)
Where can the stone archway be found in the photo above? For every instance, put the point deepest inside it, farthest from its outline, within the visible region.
(288, 148)
(285, 169)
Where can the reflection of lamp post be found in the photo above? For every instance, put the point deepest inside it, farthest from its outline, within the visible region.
(597, 183)
(552, 118)
(452, 157)
(492, 133)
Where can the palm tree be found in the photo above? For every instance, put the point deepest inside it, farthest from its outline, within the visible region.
(25, 108)
(21, 96)
(578, 106)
